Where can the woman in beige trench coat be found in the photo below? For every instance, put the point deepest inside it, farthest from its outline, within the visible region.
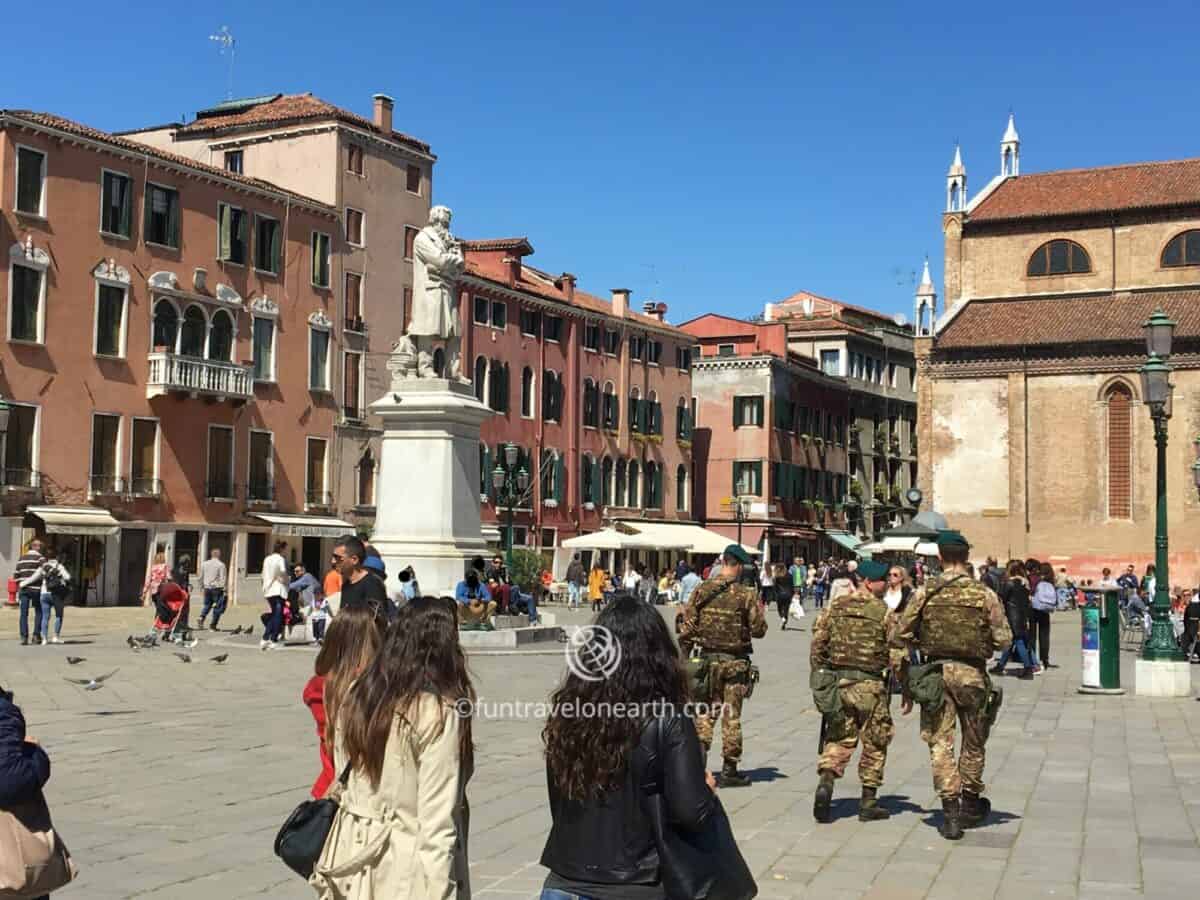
(405, 730)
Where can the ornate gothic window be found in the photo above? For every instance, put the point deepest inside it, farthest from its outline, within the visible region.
(1059, 257)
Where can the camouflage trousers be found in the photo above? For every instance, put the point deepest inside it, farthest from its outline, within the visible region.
(865, 717)
(727, 681)
(966, 695)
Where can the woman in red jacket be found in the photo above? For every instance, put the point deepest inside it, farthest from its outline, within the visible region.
(351, 642)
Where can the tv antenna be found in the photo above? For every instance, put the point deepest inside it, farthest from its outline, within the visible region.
(225, 40)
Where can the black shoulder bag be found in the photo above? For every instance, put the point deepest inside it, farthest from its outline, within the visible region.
(302, 838)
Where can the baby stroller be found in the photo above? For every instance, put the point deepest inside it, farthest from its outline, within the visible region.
(170, 614)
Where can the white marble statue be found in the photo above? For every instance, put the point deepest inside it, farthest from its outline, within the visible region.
(437, 265)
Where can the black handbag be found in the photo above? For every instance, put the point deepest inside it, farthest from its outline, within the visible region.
(696, 865)
(302, 838)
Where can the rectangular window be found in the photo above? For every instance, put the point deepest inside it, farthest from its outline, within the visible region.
(263, 349)
(320, 259)
(25, 314)
(143, 458)
(354, 159)
(162, 216)
(116, 204)
(352, 386)
(609, 411)
(725, 350)
(220, 463)
(747, 478)
(318, 359)
(110, 320)
(365, 488)
(748, 412)
(268, 241)
(656, 352)
(31, 181)
(354, 227)
(234, 160)
(612, 341)
(552, 326)
(591, 336)
(637, 347)
(106, 431)
(499, 314)
(406, 304)
(530, 322)
(683, 358)
(315, 491)
(19, 447)
(232, 234)
(410, 240)
(831, 362)
(481, 310)
(260, 485)
(412, 177)
(256, 551)
(354, 301)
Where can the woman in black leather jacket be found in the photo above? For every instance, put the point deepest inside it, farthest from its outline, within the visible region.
(601, 846)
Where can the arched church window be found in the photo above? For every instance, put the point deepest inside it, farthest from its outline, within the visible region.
(1182, 250)
(1119, 403)
(1060, 257)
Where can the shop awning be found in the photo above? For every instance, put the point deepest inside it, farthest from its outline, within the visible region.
(306, 526)
(75, 519)
(843, 539)
(653, 536)
(892, 544)
(927, 548)
(606, 539)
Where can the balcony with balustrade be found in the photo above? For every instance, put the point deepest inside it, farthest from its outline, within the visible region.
(175, 373)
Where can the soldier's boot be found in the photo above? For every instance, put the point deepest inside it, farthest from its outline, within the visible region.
(951, 827)
(869, 809)
(730, 777)
(975, 810)
(823, 798)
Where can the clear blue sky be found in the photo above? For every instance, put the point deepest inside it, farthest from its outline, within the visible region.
(711, 159)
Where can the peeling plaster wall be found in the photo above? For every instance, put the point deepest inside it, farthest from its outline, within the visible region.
(970, 445)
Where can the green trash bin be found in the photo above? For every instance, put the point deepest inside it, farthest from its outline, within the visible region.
(1100, 629)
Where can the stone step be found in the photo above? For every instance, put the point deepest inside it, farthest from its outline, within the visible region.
(511, 638)
(521, 621)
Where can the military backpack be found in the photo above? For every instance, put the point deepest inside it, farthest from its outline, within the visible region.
(954, 620)
(857, 636)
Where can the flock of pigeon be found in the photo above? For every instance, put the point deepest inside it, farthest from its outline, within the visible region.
(146, 643)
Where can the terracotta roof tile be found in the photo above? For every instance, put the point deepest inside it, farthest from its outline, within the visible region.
(1059, 320)
(287, 108)
(787, 304)
(1151, 185)
(49, 120)
(512, 243)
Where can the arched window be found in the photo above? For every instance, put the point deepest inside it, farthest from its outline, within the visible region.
(681, 488)
(635, 484)
(683, 424)
(1182, 250)
(953, 197)
(366, 479)
(166, 325)
(527, 392)
(1059, 257)
(193, 332)
(498, 386)
(606, 477)
(653, 487)
(610, 412)
(636, 422)
(619, 484)
(591, 404)
(481, 368)
(220, 339)
(1120, 449)
(589, 479)
(551, 396)
(653, 414)
(1008, 161)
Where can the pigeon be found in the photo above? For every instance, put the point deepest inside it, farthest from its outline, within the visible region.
(92, 684)
(221, 658)
(76, 660)
(249, 630)
(237, 630)
(132, 642)
(185, 657)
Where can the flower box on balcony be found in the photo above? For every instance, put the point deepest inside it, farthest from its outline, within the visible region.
(550, 503)
(589, 505)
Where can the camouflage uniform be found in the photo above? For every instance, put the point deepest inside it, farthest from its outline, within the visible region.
(721, 617)
(960, 618)
(853, 632)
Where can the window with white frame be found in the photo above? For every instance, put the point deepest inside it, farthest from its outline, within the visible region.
(315, 490)
(499, 314)
(268, 244)
(260, 484)
(355, 231)
(747, 477)
(221, 334)
(27, 296)
(233, 234)
(234, 161)
(352, 385)
(480, 309)
(551, 477)
(162, 216)
(110, 319)
(21, 446)
(318, 356)
(31, 181)
(591, 336)
(320, 259)
(106, 451)
(143, 457)
(116, 204)
(220, 463)
(262, 347)
(528, 395)
(353, 304)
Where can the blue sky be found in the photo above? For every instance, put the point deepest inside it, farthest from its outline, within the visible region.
(714, 160)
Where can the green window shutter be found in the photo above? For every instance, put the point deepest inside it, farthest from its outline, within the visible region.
(173, 213)
(126, 190)
(734, 489)
(147, 207)
(225, 237)
(658, 487)
(560, 478)
(758, 478)
(244, 234)
(276, 247)
(736, 406)
(644, 416)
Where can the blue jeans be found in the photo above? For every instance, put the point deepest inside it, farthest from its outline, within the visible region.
(214, 599)
(573, 591)
(274, 629)
(30, 597)
(1022, 650)
(49, 602)
(556, 894)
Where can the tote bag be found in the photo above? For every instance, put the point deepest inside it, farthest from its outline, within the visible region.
(33, 859)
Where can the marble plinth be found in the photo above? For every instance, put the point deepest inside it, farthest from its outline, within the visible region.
(512, 638)
(1162, 678)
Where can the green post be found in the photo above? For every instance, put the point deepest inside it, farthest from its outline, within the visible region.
(1101, 631)
(1161, 643)
(509, 538)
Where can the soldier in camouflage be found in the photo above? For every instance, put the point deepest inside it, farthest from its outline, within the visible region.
(851, 642)
(719, 621)
(960, 622)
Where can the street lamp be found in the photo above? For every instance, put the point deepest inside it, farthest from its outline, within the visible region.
(512, 485)
(1156, 393)
(741, 509)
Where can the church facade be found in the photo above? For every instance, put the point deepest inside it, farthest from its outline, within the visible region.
(1033, 435)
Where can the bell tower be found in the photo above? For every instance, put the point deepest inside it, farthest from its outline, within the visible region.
(1010, 150)
(956, 183)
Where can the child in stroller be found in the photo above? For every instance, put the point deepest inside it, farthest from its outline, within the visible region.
(170, 614)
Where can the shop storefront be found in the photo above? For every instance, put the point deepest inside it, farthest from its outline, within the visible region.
(85, 540)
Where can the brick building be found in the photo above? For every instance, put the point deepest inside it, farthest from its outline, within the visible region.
(773, 430)
(168, 357)
(1034, 440)
(595, 394)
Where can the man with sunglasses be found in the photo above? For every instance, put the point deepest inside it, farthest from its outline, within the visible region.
(359, 587)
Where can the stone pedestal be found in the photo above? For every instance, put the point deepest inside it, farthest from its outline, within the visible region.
(1162, 678)
(427, 498)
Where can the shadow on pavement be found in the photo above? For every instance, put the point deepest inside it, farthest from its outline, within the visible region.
(765, 773)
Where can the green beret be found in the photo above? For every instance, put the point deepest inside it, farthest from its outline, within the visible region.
(738, 552)
(872, 570)
(951, 538)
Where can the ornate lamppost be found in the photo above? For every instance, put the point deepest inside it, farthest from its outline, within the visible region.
(512, 485)
(1156, 393)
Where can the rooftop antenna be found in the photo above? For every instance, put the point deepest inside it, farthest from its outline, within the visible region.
(225, 40)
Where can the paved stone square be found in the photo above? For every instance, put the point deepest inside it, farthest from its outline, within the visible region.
(172, 780)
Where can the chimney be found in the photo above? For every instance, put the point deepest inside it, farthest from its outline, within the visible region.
(655, 310)
(514, 269)
(566, 284)
(620, 302)
(383, 112)
(769, 313)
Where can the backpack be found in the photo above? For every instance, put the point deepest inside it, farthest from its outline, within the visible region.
(54, 582)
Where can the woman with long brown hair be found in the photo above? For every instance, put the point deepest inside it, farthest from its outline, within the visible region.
(403, 738)
(351, 642)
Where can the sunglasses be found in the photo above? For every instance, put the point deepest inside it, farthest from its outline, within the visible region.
(337, 557)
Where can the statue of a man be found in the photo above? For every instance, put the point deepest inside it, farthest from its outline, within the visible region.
(437, 265)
